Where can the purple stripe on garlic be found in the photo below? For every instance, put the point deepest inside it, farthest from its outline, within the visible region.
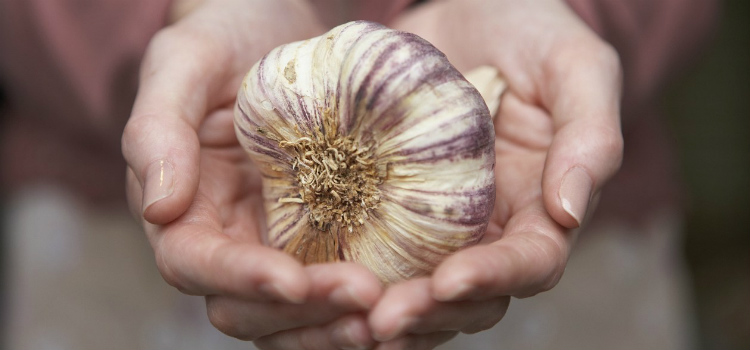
(373, 149)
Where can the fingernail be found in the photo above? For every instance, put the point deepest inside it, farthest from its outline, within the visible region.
(403, 325)
(346, 336)
(278, 293)
(345, 295)
(159, 183)
(575, 193)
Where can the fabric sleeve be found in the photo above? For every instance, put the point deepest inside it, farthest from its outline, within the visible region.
(70, 74)
(656, 40)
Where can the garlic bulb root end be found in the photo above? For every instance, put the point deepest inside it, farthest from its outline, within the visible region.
(373, 148)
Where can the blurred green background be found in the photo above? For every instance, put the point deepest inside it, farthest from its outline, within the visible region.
(709, 110)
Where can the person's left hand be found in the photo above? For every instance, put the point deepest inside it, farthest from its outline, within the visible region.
(558, 141)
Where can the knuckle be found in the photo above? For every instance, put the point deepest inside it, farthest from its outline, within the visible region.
(586, 53)
(609, 144)
(552, 279)
(131, 136)
(170, 277)
(613, 142)
(551, 255)
(606, 55)
(557, 262)
(609, 139)
(167, 272)
(601, 53)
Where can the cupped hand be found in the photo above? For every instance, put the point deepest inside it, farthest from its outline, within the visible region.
(199, 197)
(558, 140)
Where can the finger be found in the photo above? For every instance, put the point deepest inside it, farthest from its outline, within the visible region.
(160, 144)
(409, 307)
(336, 289)
(195, 256)
(348, 332)
(417, 342)
(583, 95)
(530, 258)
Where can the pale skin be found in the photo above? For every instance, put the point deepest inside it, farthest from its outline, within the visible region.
(199, 196)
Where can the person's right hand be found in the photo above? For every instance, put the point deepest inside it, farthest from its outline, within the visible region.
(199, 197)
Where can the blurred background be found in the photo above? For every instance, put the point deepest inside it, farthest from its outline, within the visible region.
(709, 112)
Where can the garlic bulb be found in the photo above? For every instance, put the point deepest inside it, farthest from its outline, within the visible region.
(372, 147)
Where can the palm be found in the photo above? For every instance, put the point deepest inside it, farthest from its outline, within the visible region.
(519, 164)
(231, 186)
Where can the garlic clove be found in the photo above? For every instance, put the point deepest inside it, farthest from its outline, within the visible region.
(490, 85)
(372, 147)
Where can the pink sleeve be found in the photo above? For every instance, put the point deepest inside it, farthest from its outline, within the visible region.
(335, 12)
(655, 39)
(72, 51)
(70, 70)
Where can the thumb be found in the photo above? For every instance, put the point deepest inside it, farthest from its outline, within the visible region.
(581, 159)
(587, 145)
(160, 142)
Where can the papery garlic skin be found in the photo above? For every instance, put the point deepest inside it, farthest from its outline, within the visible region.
(390, 105)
